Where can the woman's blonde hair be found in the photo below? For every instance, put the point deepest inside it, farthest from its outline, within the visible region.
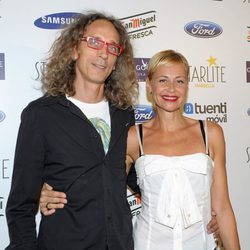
(166, 57)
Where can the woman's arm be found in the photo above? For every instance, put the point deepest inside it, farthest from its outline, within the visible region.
(219, 191)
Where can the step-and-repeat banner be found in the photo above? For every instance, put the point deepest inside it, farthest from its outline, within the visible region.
(214, 35)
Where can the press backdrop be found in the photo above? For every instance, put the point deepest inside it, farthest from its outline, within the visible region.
(213, 35)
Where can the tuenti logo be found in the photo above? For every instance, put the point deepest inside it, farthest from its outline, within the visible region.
(248, 70)
(140, 25)
(203, 29)
(141, 66)
(216, 113)
(2, 66)
(143, 113)
(56, 20)
(2, 116)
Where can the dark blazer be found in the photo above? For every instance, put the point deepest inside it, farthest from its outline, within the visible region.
(57, 144)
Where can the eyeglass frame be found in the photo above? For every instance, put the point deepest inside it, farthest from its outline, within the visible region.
(86, 39)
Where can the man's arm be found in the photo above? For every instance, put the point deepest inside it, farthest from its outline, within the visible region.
(22, 203)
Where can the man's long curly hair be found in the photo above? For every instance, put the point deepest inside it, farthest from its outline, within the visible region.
(58, 75)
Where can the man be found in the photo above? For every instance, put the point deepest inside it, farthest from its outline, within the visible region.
(74, 139)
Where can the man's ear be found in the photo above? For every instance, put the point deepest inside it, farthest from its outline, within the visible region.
(75, 53)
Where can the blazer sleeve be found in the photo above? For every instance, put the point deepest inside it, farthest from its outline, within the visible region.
(22, 204)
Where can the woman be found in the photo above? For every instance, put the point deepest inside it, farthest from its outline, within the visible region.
(180, 165)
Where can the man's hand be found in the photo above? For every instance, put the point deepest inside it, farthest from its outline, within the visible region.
(212, 227)
(51, 200)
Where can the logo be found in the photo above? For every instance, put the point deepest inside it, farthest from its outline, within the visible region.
(5, 167)
(248, 111)
(140, 25)
(143, 113)
(207, 76)
(135, 204)
(216, 113)
(56, 20)
(1, 206)
(141, 66)
(248, 70)
(2, 67)
(2, 116)
(203, 29)
(39, 67)
(248, 35)
(248, 154)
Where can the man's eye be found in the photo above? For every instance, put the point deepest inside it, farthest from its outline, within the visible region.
(94, 41)
(113, 48)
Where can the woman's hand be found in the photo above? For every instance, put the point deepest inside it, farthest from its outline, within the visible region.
(51, 200)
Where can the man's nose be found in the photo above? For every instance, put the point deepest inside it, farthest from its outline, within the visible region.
(103, 51)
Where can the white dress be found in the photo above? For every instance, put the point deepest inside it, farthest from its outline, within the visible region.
(175, 197)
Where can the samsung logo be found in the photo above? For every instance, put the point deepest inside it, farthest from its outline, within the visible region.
(56, 20)
(2, 116)
(203, 29)
(143, 113)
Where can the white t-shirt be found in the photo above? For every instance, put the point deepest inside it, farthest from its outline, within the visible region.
(93, 110)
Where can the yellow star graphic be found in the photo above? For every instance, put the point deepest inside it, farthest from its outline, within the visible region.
(211, 61)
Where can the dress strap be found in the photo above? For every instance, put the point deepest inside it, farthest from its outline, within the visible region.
(203, 126)
(139, 135)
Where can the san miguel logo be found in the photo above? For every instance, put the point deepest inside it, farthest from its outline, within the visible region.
(207, 76)
(203, 29)
(140, 25)
(56, 20)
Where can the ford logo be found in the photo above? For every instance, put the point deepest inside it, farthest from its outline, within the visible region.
(2, 116)
(203, 29)
(248, 111)
(143, 113)
(56, 20)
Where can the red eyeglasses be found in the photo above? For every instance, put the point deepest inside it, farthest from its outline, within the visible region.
(95, 43)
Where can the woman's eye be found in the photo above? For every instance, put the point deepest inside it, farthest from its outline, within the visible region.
(180, 82)
(162, 80)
